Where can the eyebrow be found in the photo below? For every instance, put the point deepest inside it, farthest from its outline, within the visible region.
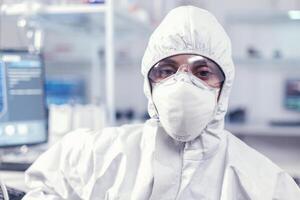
(169, 60)
(200, 62)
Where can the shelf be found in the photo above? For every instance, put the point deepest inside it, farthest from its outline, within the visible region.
(73, 15)
(19, 9)
(262, 17)
(262, 61)
(73, 9)
(263, 130)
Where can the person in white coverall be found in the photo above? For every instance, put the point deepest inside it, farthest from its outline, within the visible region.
(183, 151)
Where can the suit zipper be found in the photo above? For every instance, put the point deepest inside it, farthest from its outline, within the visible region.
(181, 171)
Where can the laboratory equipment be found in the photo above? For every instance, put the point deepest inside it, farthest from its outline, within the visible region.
(13, 194)
(292, 95)
(15, 166)
(23, 119)
(291, 102)
(67, 90)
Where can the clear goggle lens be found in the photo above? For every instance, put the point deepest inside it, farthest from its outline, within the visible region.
(199, 66)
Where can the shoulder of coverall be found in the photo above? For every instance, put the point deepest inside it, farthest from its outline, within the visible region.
(250, 164)
(87, 138)
(245, 154)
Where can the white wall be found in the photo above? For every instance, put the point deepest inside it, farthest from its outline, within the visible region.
(129, 89)
(260, 83)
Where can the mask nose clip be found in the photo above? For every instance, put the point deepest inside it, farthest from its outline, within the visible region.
(182, 76)
(184, 68)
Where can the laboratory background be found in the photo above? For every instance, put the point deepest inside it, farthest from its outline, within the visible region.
(75, 64)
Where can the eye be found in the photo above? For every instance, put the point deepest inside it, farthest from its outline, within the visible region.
(203, 73)
(165, 71)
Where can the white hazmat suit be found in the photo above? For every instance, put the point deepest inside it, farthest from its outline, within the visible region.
(141, 162)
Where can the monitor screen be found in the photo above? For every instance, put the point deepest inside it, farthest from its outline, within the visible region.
(22, 106)
(292, 95)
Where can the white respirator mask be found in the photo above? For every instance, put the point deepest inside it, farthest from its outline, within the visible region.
(185, 105)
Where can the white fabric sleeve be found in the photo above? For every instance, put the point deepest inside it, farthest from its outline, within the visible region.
(286, 188)
(50, 176)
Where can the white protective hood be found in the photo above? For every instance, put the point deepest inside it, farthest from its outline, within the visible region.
(189, 29)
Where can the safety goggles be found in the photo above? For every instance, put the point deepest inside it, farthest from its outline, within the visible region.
(196, 66)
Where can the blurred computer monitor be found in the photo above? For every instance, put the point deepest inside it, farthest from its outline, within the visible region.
(23, 119)
(292, 94)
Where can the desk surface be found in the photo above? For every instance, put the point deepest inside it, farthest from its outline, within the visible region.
(262, 130)
(14, 179)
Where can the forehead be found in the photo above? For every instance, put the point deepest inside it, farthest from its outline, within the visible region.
(180, 59)
(188, 58)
